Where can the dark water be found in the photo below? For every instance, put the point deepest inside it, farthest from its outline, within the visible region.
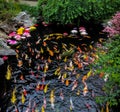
(32, 73)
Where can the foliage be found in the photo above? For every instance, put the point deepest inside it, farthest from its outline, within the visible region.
(32, 10)
(114, 25)
(11, 9)
(66, 11)
(110, 65)
(8, 10)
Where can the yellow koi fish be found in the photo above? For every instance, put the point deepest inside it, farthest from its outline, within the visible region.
(57, 71)
(41, 50)
(23, 99)
(65, 60)
(71, 66)
(8, 74)
(89, 73)
(42, 109)
(46, 67)
(13, 98)
(46, 88)
(52, 99)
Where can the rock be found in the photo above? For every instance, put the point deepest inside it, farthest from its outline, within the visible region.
(4, 49)
(1, 61)
(24, 19)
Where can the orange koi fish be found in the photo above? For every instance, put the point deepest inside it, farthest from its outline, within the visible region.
(38, 86)
(101, 74)
(75, 84)
(13, 98)
(79, 49)
(44, 43)
(85, 90)
(67, 82)
(9, 73)
(51, 53)
(23, 99)
(107, 107)
(52, 99)
(49, 60)
(21, 77)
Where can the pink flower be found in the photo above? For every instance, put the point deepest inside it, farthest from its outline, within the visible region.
(12, 42)
(17, 37)
(27, 34)
(4, 58)
(12, 34)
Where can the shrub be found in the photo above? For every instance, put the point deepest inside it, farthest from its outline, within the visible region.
(113, 27)
(66, 11)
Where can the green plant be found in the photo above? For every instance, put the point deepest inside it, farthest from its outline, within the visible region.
(69, 11)
(110, 65)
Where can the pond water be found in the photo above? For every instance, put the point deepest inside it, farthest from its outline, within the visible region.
(52, 74)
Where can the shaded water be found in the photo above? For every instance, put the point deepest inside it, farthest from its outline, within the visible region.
(31, 78)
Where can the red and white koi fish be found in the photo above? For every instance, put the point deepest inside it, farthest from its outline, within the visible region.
(24, 92)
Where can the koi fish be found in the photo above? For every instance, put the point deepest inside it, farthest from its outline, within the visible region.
(46, 88)
(42, 109)
(38, 86)
(44, 102)
(65, 75)
(20, 63)
(21, 77)
(45, 67)
(107, 107)
(65, 60)
(91, 47)
(23, 99)
(44, 43)
(61, 95)
(57, 71)
(71, 66)
(79, 49)
(89, 73)
(49, 60)
(52, 99)
(75, 84)
(64, 46)
(41, 50)
(50, 52)
(9, 73)
(16, 109)
(101, 74)
(71, 104)
(13, 98)
(85, 90)
(78, 92)
(67, 82)
(24, 92)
